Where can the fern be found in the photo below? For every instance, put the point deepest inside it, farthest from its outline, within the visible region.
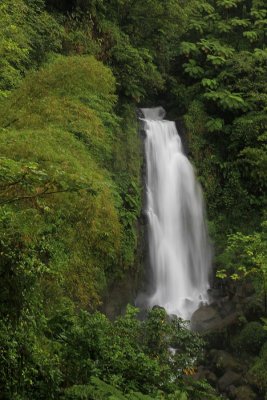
(205, 7)
(238, 22)
(197, 25)
(192, 69)
(214, 124)
(252, 36)
(216, 60)
(261, 23)
(215, 47)
(187, 48)
(227, 100)
(258, 14)
(223, 27)
(209, 83)
(227, 3)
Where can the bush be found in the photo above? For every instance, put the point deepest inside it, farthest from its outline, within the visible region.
(257, 373)
(27, 34)
(56, 165)
(250, 339)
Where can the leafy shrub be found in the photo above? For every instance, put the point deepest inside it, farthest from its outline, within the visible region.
(129, 354)
(63, 131)
(27, 33)
(250, 339)
(257, 373)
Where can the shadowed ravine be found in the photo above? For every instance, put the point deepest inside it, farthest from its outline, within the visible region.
(179, 250)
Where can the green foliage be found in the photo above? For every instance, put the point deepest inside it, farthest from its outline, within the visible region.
(29, 367)
(86, 356)
(215, 124)
(129, 354)
(79, 34)
(27, 33)
(192, 69)
(187, 48)
(66, 179)
(245, 257)
(70, 189)
(226, 99)
(134, 69)
(250, 339)
(209, 83)
(229, 85)
(257, 373)
(119, 354)
(99, 390)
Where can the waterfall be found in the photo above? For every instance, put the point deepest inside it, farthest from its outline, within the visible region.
(179, 250)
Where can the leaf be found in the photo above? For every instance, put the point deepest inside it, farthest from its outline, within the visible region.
(187, 48)
(227, 99)
(216, 60)
(192, 69)
(260, 54)
(204, 6)
(223, 27)
(227, 3)
(258, 14)
(221, 274)
(215, 124)
(209, 83)
(238, 22)
(252, 36)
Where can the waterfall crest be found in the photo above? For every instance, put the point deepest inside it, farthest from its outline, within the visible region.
(179, 250)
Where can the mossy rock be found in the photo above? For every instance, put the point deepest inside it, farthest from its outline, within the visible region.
(244, 393)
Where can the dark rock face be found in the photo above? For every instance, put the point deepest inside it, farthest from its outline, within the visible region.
(214, 317)
(205, 318)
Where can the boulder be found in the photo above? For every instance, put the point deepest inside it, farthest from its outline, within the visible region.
(206, 318)
(209, 319)
(229, 378)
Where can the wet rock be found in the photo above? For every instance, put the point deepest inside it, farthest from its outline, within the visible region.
(229, 378)
(205, 318)
(211, 318)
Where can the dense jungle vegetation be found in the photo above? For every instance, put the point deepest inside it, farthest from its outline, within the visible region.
(72, 74)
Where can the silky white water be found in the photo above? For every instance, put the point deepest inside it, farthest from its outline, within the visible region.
(179, 250)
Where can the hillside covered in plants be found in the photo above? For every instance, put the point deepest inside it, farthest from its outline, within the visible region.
(72, 75)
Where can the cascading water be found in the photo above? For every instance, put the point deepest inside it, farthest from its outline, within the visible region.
(179, 249)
